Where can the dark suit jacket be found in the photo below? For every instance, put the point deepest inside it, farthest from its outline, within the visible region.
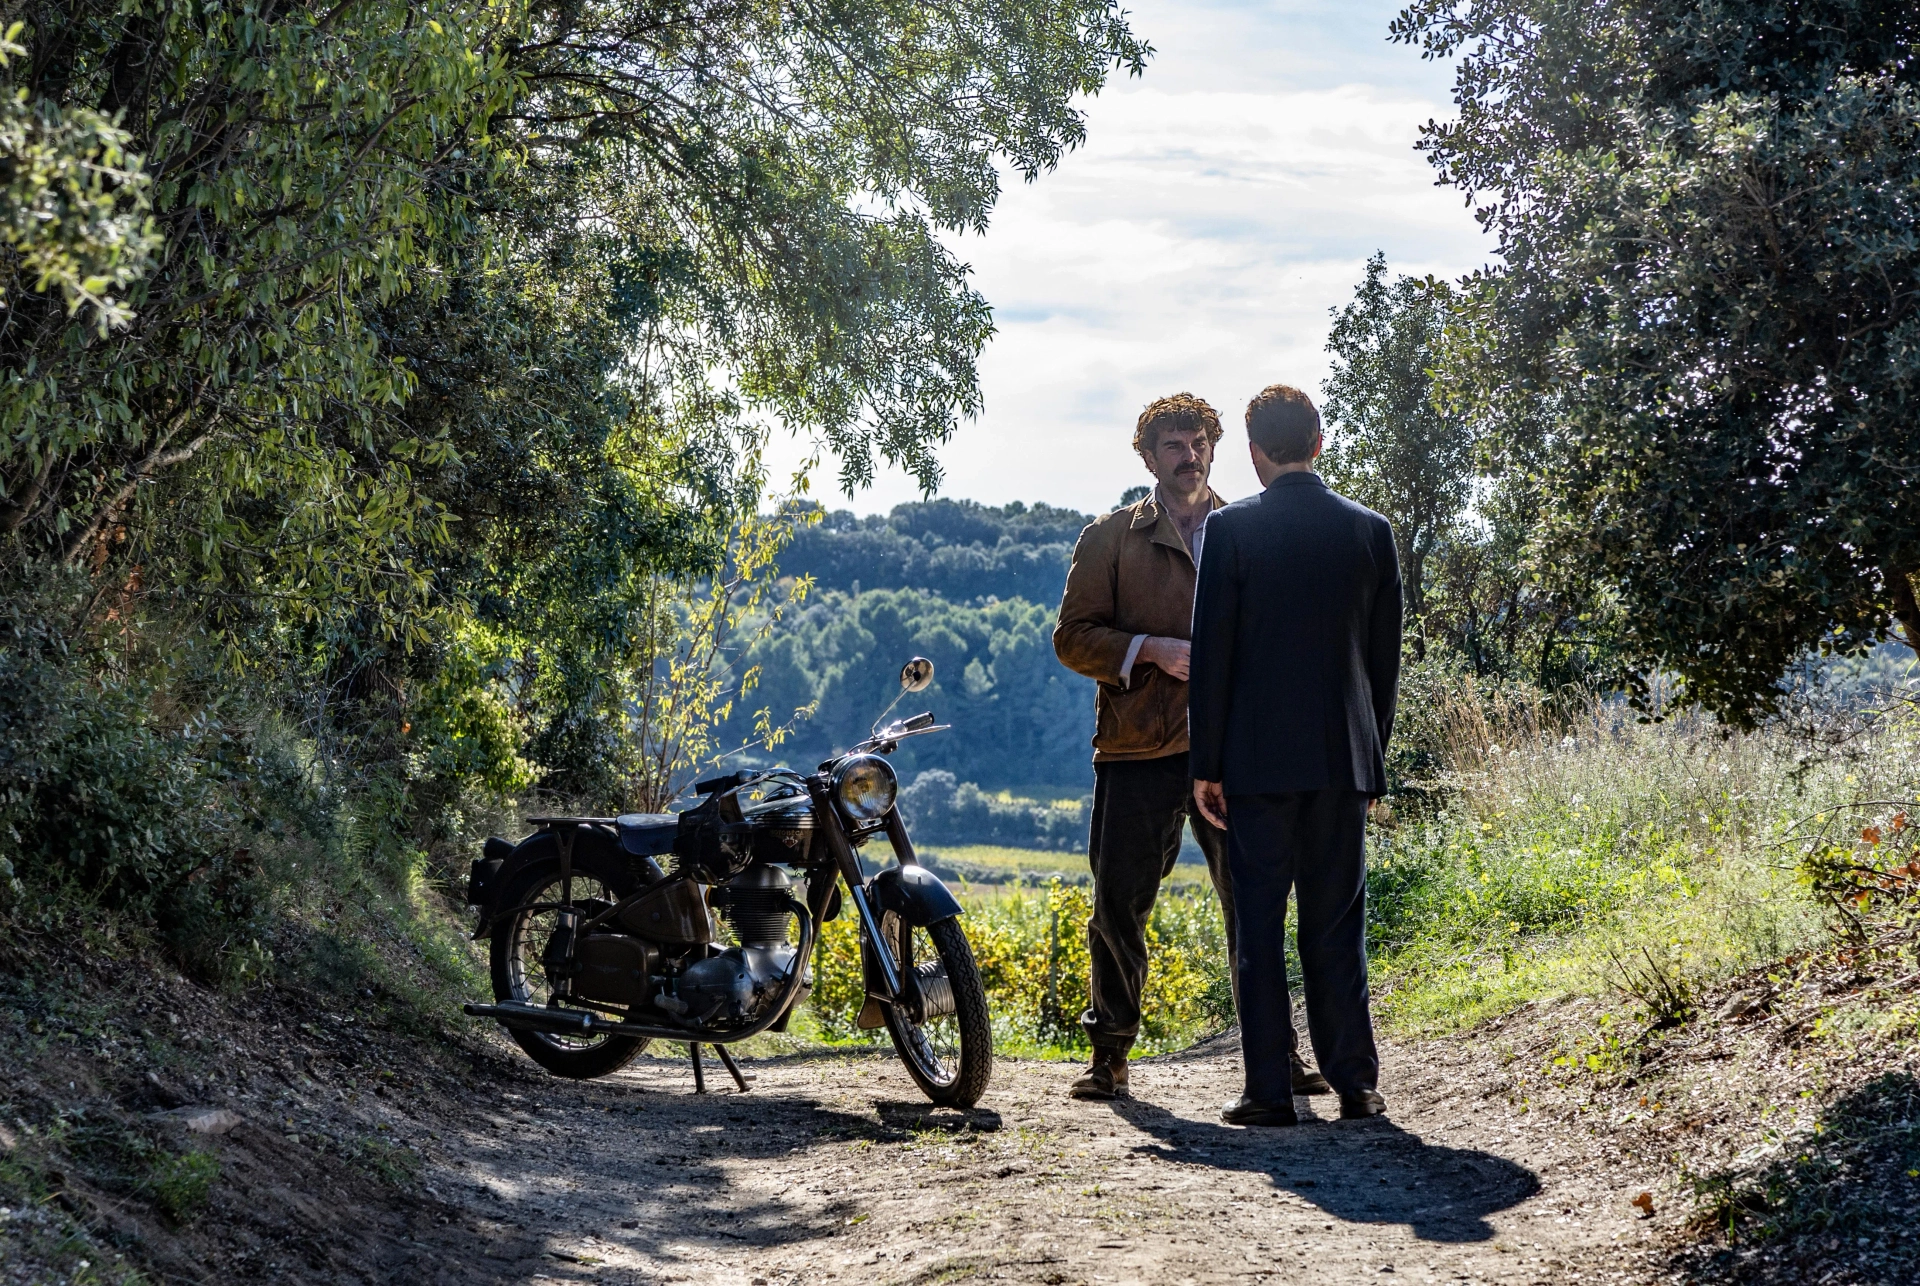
(1296, 643)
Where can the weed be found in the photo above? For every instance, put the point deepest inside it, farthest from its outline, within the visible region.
(179, 1185)
(1657, 982)
(388, 1160)
(1031, 946)
(1855, 1172)
(1587, 852)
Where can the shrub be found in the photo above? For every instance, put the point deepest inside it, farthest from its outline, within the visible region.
(1031, 946)
(101, 794)
(180, 1185)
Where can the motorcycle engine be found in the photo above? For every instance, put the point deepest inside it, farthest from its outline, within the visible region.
(737, 984)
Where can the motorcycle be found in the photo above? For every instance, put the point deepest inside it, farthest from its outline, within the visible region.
(597, 948)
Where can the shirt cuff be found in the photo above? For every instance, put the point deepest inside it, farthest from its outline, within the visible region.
(1133, 654)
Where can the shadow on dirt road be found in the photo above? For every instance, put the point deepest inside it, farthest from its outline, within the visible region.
(1358, 1171)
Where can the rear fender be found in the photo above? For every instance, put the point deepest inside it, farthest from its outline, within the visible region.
(590, 844)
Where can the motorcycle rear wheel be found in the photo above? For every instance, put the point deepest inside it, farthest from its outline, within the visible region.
(518, 975)
(949, 1056)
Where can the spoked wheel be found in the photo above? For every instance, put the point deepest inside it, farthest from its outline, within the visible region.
(518, 974)
(949, 1052)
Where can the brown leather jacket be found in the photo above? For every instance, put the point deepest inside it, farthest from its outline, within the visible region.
(1131, 575)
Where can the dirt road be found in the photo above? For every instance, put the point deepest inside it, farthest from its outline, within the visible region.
(833, 1168)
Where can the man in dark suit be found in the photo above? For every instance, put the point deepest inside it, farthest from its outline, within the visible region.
(1295, 670)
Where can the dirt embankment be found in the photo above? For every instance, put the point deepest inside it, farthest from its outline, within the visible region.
(357, 1153)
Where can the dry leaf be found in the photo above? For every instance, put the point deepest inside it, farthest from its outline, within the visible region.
(1644, 1204)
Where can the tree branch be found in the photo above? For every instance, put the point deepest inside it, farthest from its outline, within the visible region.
(159, 458)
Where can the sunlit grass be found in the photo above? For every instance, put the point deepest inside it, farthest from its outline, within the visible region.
(1562, 851)
(1557, 850)
(986, 870)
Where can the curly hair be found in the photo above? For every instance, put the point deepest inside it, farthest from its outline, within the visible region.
(1183, 412)
(1282, 422)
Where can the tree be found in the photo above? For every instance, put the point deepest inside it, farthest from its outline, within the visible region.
(750, 193)
(75, 203)
(1393, 448)
(1699, 344)
(402, 351)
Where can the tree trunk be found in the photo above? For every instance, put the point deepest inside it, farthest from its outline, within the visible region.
(1905, 609)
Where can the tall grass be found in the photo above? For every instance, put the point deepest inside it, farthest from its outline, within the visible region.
(1553, 853)
(1593, 852)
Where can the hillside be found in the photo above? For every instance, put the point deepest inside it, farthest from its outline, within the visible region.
(961, 550)
(973, 587)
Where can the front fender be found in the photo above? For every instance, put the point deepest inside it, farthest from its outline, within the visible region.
(915, 893)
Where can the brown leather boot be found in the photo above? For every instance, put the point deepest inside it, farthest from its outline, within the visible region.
(1106, 1078)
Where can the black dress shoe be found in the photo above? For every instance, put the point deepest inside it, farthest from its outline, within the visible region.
(1308, 1081)
(1251, 1111)
(1366, 1103)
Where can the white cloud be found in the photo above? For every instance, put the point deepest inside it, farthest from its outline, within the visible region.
(1197, 242)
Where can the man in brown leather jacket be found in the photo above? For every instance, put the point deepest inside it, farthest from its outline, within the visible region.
(1125, 620)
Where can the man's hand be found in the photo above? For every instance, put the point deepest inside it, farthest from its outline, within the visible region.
(1212, 799)
(1171, 655)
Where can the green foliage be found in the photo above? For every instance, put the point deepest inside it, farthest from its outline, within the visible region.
(944, 811)
(1698, 349)
(973, 587)
(664, 696)
(1600, 853)
(75, 203)
(1862, 862)
(179, 1184)
(100, 797)
(959, 549)
(1393, 448)
(388, 382)
(1475, 604)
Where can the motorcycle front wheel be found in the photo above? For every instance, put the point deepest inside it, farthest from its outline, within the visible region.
(518, 974)
(949, 1053)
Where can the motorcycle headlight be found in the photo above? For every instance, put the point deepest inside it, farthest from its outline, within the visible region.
(865, 786)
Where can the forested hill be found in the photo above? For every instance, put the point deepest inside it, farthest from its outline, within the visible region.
(961, 550)
(971, 586)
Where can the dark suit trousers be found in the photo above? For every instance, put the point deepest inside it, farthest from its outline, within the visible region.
(1312, 842)
(1138, 806)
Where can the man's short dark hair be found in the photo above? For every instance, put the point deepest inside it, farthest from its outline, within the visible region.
(1282, 422)
(1183, 413)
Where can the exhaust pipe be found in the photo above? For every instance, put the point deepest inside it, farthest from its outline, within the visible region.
(558, 1022)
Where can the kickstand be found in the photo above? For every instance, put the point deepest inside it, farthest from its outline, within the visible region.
(699, 1072)
(732, 1067)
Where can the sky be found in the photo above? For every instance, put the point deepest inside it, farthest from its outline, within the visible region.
(1222, 205)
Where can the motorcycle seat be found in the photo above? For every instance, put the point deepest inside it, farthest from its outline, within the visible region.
(647, 834)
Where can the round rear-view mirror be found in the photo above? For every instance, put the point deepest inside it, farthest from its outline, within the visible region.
(916, 674)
